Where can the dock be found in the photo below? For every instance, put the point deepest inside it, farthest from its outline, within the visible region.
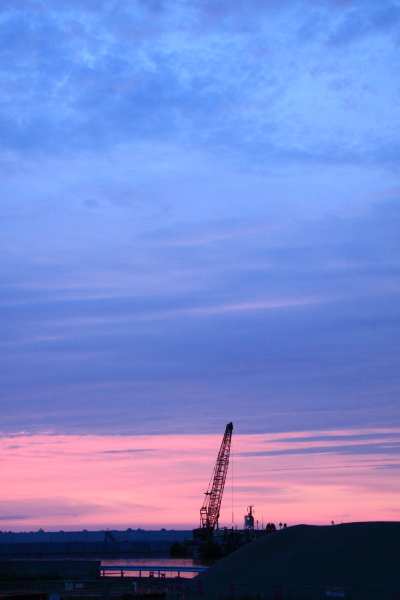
(161, 570)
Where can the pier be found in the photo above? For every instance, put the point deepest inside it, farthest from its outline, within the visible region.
(159, 569)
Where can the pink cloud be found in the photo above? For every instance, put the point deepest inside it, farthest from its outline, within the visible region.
(75, 482)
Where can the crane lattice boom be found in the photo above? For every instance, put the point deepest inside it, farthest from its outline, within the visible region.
(209, 512)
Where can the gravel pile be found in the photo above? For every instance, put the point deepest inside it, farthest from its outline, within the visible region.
(353, 555)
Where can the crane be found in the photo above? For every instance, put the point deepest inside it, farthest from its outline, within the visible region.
(209, 512)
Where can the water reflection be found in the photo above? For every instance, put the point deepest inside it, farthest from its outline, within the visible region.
(165, 562)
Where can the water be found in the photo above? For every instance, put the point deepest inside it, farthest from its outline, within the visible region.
(167, 563)
(148, 560)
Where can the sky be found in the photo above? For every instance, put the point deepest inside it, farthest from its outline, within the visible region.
(58, 482)
(199, 223)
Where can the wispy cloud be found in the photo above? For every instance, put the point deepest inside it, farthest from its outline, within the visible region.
(199, 216)
(356, 449)
(231, 76)
(127, 450)
(154, 481)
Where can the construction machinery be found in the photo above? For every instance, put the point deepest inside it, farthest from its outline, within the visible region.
(208, 540)
(209, 512)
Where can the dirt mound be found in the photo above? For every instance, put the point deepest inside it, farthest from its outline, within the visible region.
(352, 555)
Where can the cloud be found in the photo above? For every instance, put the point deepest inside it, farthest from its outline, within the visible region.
(199, 207)
(163, 488)
(80, 76)
(128, 450)
(364, 20)
(356, 449)
(343, 437)
(299, 317)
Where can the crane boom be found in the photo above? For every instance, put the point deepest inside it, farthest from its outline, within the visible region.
(209, 512)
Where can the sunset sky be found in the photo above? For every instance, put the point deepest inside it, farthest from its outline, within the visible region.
(200, 223)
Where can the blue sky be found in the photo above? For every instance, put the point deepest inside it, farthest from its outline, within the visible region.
(200, 215)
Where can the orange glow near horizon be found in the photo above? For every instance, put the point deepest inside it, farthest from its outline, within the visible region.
(57, 482)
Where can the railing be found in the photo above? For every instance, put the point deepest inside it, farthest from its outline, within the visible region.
(100, 589)
(161, 570)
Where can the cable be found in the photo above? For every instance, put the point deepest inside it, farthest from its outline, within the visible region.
(233, 518)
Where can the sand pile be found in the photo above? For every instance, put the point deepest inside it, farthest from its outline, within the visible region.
(352, 555)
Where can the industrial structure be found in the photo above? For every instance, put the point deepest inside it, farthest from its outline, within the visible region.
(207, 535)
(79, 543)
(209, 512)
(208, 540)
(249, 518)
